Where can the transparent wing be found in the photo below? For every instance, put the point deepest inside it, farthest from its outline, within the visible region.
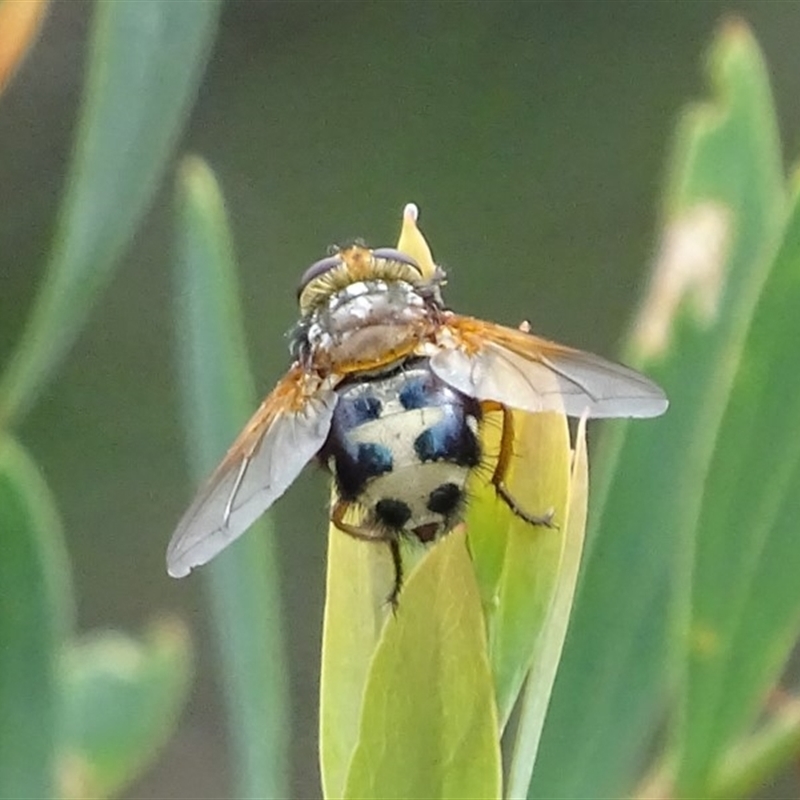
(492, 362)
(281, 438)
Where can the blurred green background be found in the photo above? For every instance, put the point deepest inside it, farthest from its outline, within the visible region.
(322, 120)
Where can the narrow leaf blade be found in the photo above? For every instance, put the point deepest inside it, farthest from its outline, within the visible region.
(35, 607)
(218, 397)
(517, 564)
(144, 64)
(550, 643)
(745, 614)
(724, 208)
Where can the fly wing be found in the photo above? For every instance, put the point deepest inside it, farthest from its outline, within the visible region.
(281, 438)
(492, 362)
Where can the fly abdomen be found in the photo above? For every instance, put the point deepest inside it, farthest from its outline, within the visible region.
(451, 439)
(356, 463)
(402, 445)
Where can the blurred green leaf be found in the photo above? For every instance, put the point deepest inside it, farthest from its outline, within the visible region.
(753, 762)
(218, 396)
(724, 213)
(35, 611)
(144, 64)
(745, 615)
(550, 642)
(429, 723)
(122, 700)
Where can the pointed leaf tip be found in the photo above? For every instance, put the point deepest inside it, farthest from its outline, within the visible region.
(413, 243)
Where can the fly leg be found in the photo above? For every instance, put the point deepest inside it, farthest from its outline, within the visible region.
(338, 512)
(501, 469)
(397, 561)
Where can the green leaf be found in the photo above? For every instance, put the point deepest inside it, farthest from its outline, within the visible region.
(218, 395)
(550, 642)
(517, 564)
(35, 611)
(745, 614)
(144, 64)
(122, 701)
(753, 762)
(360, 578)
(724, 213)
(429, 723)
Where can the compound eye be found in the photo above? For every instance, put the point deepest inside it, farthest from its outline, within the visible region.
(390, 254)
(318, 268)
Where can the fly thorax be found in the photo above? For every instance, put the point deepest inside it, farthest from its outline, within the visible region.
(402, 445)
(366, 320)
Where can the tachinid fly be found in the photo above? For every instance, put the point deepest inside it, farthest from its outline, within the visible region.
(387, 390)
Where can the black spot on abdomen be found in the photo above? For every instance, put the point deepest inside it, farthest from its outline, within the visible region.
(355, 468)
(416, 394)
(374, 459)
(392, 513)
(445, 499)
(449, 440)
(354, 411)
